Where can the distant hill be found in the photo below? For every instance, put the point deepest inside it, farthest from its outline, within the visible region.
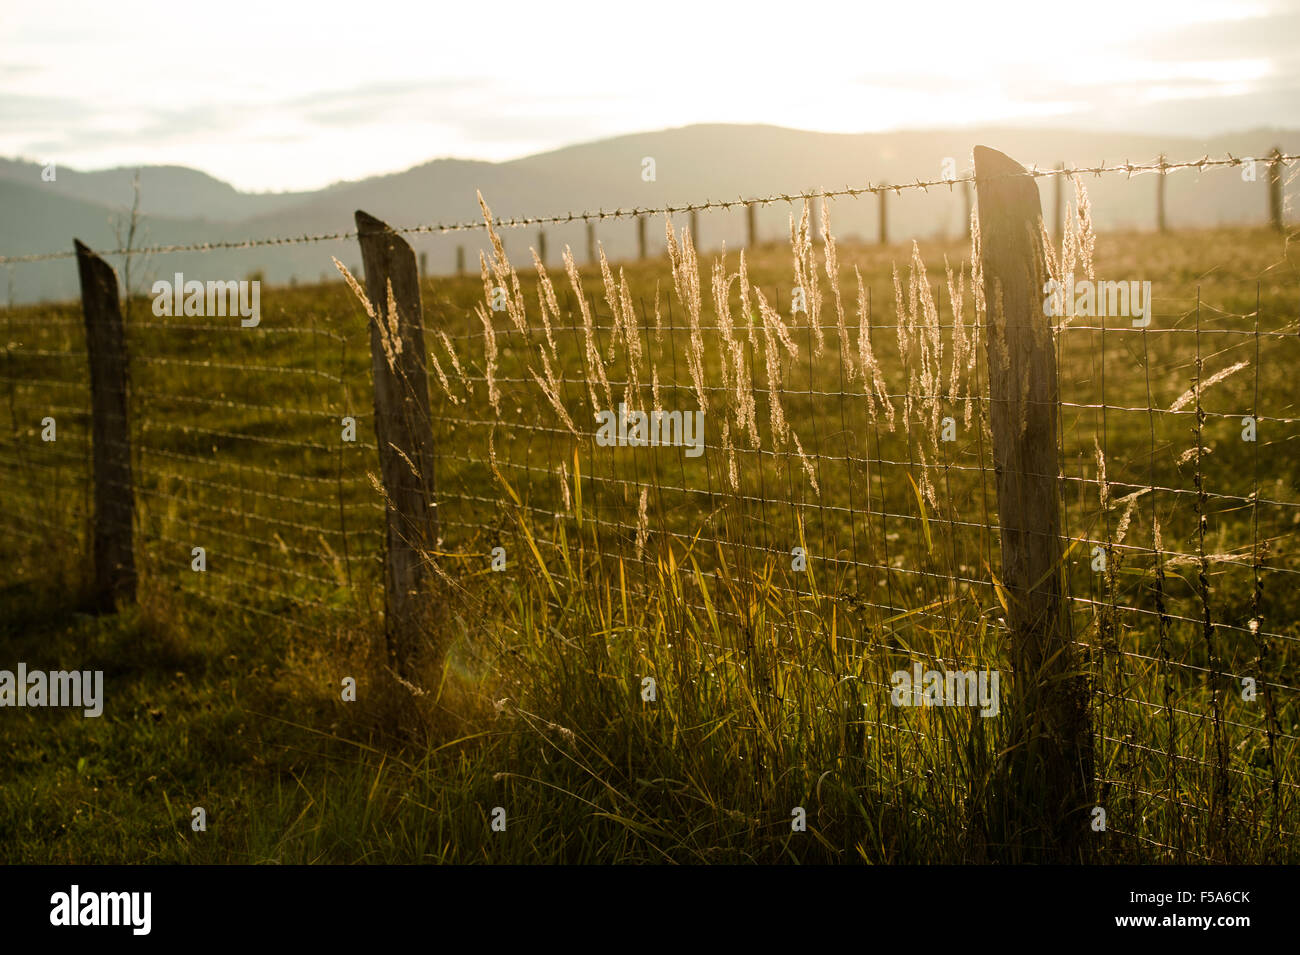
(708, 161)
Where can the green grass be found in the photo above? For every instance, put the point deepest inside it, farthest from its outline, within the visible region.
(223, 688)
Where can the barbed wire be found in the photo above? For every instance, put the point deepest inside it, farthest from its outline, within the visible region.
(1130, 169)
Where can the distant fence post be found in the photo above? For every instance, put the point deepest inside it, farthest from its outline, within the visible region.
(1058, 230)
(541, 245)
(1048, 769)
(695, 228)
(640, 237)
(405, 438)
(114, 524)
(884, 217)
(591, 243)
(751, 226)
(1161, 224)
(1275, 190)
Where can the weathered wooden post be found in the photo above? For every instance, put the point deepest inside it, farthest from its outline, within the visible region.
(591, 242)
(695, 228)
(1275, 190)
(640, 238)
(884, 217)
(1161, 224)
(460, 260)
(114, 524)
(751, 225)
(541, 245)
(1047, 772)
(424, 265)
(405, 438)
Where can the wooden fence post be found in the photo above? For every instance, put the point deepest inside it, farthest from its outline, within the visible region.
(591, 242)
(751, 225)
(695, 228)
(1058, 229)
(405, 438)
(884, 218)
(1047, 774)
(114, 524)
(1275, 190)
(1161, 224)
(460, 260)
(640, 238)
(541, 245)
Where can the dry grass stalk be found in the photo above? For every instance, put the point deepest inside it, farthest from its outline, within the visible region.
(1078, 243)
(455, 361)
(1129, 501)
(357, 290)
(655, 396)
(873, 380)
(805, 275)
(925, 320)
(920, 343)
(442, 377)
(1193, 393)
(546, 302)
(1087, 239)
(594, 362)
(686, 282)
(733, 469)
(389, 335)
(613, 300)
(735, 373)
(926, 485)
(746, 405)
(1103, 486)
(963, 354)
(504, 274)
(769, 317)
(551, 389)
(904, 339)
(632, 340)
(1192, 452)
(490, 358)
(1053, 266)
(833, 274)
(564, 487)
(390, 329)
(642, 522)
(721, 286)
(807, 465)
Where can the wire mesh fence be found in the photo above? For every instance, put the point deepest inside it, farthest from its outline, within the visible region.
(837, 488)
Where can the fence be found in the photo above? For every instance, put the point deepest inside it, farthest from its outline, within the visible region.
(887, 462)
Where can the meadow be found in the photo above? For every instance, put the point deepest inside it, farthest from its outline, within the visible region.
(826, 431)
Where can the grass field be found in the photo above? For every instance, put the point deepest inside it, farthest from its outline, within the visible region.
(772, 684)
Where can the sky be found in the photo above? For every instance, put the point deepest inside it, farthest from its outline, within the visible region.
(295, 96)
